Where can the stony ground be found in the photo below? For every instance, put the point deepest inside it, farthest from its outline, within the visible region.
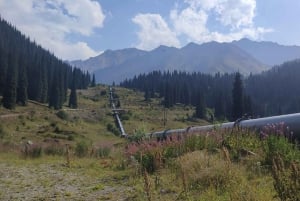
(55, 181)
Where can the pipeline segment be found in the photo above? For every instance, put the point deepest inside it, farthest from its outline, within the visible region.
(116, 113)
(291, 121)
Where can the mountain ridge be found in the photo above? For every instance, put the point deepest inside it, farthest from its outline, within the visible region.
(245, 56)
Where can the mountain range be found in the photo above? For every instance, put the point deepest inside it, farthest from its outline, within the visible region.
(245, 56)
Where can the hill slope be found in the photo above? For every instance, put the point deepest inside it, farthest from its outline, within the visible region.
(210, 57)
(269, 53)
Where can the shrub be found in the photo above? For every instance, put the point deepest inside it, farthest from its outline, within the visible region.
(103, 93)
(239, 140)
(54, 149)
(280, 146)
(81, 149)
(202, 170)
(125, 117)
(2, 132)
(103, 152)
(62, 115)
(286, 179)
(153, 154)
(113, 129)
(32, 151)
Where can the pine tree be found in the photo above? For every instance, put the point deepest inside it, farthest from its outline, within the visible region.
(237, 97)
(3, 70)
(73, 95)
(73, 98)
(10, 90)
(56, 95)
(147, 95)
(220, 106)
(93, 84)
(200, 107)
(248, 105)
(22, 85)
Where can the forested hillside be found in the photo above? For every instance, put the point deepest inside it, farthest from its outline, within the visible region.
(27, 71)
(276, 91)
(273, 92)
(197, 89)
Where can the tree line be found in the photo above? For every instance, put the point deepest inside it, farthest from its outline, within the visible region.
(27, 71)
(197, 89)
(229, 96)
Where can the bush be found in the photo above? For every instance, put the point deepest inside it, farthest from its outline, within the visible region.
(103, 152)
(240, 140)
(32, 151)
(54, 149)
(81, 149)
(280, 146)
(124, 117)
(286, 179)
(2, 132)
(62, 115)
(113, 129)
(103, 93)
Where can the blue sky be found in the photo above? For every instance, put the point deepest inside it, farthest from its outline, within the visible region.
(79, 29)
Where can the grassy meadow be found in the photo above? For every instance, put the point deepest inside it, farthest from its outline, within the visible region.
(78, 155)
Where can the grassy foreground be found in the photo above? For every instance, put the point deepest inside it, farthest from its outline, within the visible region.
(76, 155)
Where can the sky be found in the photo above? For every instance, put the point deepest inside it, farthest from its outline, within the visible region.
(79, 29)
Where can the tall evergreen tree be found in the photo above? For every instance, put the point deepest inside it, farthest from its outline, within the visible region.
(147, 95)
(73, 95)
(220, 106)
(22, 85)
(10, 90)
(248, 105)
(56, 95)
(93, 83)
(237, 97)
(3, 69)
(73, 98)
(200, 107)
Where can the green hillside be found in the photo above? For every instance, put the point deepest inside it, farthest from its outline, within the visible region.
(75, 154)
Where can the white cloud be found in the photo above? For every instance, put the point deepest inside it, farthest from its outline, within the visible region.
(193, 20)
(235, 15)
(49, 22)
(190, 22)
(154, 31)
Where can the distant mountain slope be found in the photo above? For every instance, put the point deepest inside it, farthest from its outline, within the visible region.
(210, 57)
(108, 59)
(269, 53)
(244, 56)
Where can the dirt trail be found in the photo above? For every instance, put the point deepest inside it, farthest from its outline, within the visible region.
(5, 116)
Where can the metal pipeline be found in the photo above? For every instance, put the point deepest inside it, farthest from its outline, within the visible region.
(116, 114)
(291, 121)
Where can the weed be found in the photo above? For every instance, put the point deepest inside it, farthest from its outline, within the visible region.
(81, 149)
(147, 185)
(54, 149)
(286, 179)
(63, 115)
(103, 152)
(111, 128)
(32, 151)
(2, 132)
(279, 145)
